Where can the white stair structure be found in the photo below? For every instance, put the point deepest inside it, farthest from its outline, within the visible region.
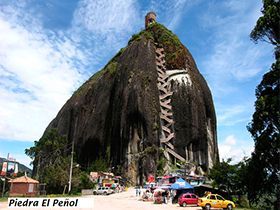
(166, 114)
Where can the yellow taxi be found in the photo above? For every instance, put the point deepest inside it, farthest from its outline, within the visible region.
(215, 201)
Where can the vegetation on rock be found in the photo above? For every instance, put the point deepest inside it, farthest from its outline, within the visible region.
(175, 52)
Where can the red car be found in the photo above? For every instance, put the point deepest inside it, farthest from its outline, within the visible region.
(188, 199)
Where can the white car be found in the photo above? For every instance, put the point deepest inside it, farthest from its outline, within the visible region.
(103, 191)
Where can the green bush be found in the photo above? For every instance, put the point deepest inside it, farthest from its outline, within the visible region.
(112, 67)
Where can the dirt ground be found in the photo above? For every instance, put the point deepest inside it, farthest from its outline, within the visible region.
(120, 201)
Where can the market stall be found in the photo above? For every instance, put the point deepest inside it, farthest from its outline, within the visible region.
(180, 187)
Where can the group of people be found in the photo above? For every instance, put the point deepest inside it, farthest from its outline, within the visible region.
(138, 192)
(162, 196)
(119, 189)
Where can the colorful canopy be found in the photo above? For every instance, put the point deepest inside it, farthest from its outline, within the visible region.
(181, 184)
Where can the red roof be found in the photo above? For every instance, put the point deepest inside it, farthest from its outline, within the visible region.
(24, 179)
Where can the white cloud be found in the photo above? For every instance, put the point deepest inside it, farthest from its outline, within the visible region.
(231, 115)
(232, 56)
(229, 152)
(231, 141)
(37, 73)
(41, 68)
(24, 159)
(102, 28)
(233, 148)
(103, 17)
(170, 13)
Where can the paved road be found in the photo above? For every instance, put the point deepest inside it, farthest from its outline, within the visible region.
(128, 200)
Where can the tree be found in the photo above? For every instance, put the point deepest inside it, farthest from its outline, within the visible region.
(83, 183)
(230, 178)
(99, 165)
(267, 27)
(263, 167)
(47, 150)
(223, 175)
(52, 164)
(48, 163)
(56, 176)
(263, 173)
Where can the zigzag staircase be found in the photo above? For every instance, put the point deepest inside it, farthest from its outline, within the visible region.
(166, 114)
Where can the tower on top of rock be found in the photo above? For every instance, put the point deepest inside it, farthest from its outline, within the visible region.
(150, 18)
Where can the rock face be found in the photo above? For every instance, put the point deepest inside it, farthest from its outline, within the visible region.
(150, 95)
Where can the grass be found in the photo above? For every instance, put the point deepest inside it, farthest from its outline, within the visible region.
(4, 199)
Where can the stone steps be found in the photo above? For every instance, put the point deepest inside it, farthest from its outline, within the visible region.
(168, 138)
(166, 129)
(165, 104)
(162, 89)
(166, 118)
(166, 113)
(170, 145)
(160, 71)
(175, 154)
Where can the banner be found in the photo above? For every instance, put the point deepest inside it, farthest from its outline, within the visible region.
(16, 169)
(151, 178)
(11, 170)
(4, 169)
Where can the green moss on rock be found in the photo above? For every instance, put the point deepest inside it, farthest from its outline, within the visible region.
(91, 81)
(110, 67)
(175, 52)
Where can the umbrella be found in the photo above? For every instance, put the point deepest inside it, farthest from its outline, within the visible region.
(180, 184)
(159, 190)
(145, 187)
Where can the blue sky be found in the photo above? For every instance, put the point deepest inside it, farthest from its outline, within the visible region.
(49, 48)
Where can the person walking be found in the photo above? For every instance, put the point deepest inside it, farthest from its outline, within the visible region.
(174, 195)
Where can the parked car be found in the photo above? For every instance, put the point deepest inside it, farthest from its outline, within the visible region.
(215, 201)
(188, 199)
(103, 191)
